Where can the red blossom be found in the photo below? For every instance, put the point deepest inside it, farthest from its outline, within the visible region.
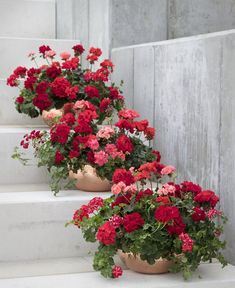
(60, 133)
(117, 271)
(187, 245)
(207, 196)
(106, 234)
(198, 214)
(132, 222)
(80, 214)
(141, 125)
(124, 144)
(166, 213)
(149, 133)
(42, 101)
(122, 175)
(104, 104)
(59, 157)
(12, 80)
(20, 100)
(95, 204)
(68, 118)
(43, 49)
(142, 194)
(78, 49)
(71, 64)
(92, 91)
(163, 199)
(53, 72)
(29, 82)
(20, 71)
(125, 124)
(59, 86)
(107, 64)
(72, 92)
(187, 186)
(73, 154)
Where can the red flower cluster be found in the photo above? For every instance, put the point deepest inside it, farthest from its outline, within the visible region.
(122, 175)
(124, 144)
(60, 133)
(187, 245)
(166, 213)
(117, 271)
(198, 214)
(106, 234)
(59, 86)
(207, 196)
(132, 222)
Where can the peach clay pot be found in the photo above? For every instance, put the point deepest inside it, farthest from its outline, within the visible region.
(134, 263)
(88, 181)
(51, 117)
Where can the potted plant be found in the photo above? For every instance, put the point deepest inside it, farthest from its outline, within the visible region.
(45, 89)
(168, 227)
(77, 146)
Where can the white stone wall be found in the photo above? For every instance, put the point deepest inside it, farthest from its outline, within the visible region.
(186, 89)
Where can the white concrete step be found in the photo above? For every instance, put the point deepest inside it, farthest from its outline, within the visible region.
(12, 171)
(33, 19)
(14, 51)
(8, 113)
(211, 276)
(32, 225)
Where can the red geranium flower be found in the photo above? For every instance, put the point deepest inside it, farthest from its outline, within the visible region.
(59, 157)
(20, 100)
(166, 213)
(92, 91)
(60, 133)
(59, 86)
(106, 234)
(42, 101)
(78, 49)
(132, 222)
(207, 196)
(124, 144)
(122, 175)
(198, 215)
(117, 271)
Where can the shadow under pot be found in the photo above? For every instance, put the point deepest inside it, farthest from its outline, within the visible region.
(88, 181)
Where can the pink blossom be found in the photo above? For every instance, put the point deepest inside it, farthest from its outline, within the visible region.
(105, 132)
(213, 212)
(187, 245)
(116, 221)
(81, 104)
(65, 55)
(93, 142)
(128, 114)
(168, 170)
(111, 149)
(118, 188)
(166, 189)
(50, 53)
(101, 158)
(131, 188)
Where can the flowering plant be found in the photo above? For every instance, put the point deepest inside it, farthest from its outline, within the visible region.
(175, 222)
(62, 81)
(77, 140)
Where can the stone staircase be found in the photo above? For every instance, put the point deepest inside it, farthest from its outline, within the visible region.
(36, 250)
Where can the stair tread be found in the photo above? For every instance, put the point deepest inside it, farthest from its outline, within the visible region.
(47, 196)
(210, 275)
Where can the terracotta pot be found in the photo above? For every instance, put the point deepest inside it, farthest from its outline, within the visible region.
(87, 180)
(134, 263)
(50, 117)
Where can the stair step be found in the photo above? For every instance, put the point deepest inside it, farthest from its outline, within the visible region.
(10, 57)
(28, 18)
(32, 225)
(13, 172)
(8, 113)
(211, 276)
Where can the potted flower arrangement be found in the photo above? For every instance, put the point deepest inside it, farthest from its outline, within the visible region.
(154, 230)
(46, 89)
(77, 141)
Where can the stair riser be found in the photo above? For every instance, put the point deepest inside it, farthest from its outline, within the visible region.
(29, 19)
(12, 171)
(32, 231)
(8, 113)
(10, 57)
